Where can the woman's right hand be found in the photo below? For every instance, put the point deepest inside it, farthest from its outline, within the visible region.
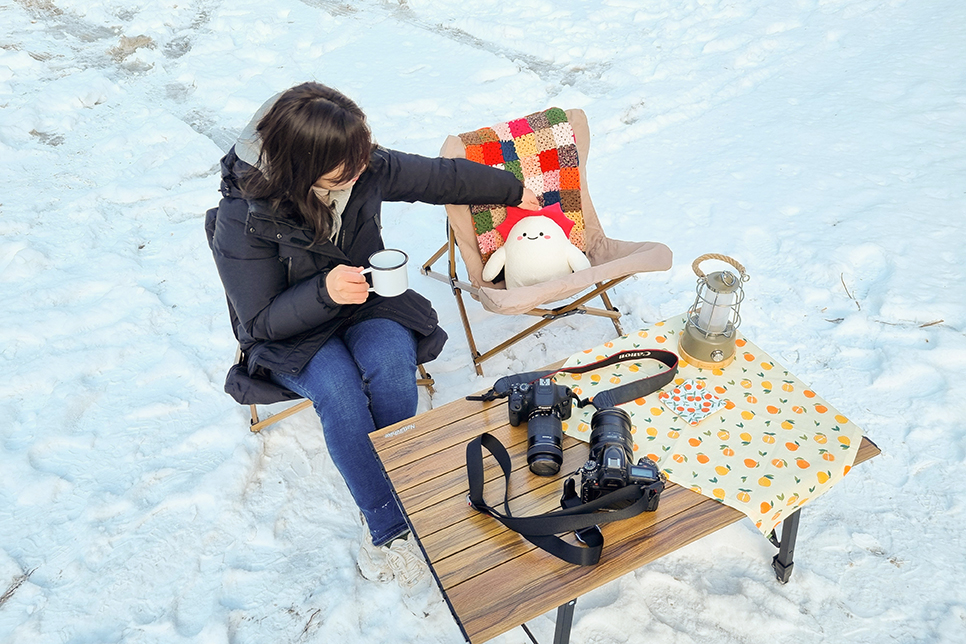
(347, 285)
(529, 201)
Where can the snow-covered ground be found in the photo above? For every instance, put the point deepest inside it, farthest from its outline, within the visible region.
(819, 142)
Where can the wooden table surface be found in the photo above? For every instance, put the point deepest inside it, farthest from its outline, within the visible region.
(492, 578)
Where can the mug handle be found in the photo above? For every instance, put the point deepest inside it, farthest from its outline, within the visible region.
(372, 289)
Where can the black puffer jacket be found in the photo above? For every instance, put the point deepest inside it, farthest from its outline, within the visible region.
(275, 278)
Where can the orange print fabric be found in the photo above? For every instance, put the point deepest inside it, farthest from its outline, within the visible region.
(772, 447)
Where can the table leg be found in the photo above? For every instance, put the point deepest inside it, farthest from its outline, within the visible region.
(782, 562)
(565, 620)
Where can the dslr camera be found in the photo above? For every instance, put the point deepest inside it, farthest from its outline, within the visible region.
(611, 466)
(543, 404)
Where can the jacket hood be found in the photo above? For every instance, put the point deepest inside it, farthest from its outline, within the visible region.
(248, 147)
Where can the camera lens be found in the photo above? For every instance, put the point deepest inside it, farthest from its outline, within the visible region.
(544, 451)
(609, 426)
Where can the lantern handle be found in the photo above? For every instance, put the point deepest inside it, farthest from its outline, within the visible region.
(723, 258)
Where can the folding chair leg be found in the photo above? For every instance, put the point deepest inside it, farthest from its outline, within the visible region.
(474, 352)
(456, 286)
(576, 306)
(428, 265)
(425, 380)
(611, 307)
(259, 425)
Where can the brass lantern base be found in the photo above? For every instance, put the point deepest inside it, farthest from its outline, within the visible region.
(701, 350)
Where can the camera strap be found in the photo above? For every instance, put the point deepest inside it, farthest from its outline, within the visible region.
(632, 390)
(541, 529)
(609, 397)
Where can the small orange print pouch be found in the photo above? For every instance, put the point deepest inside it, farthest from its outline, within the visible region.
(691, 401)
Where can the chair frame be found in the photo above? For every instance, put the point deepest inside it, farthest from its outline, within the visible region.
(547, 315)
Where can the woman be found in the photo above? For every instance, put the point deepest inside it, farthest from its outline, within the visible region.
(303, 189)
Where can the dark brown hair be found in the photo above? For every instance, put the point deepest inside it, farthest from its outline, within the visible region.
(310, 131)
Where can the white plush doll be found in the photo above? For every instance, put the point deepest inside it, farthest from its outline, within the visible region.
(536, 248)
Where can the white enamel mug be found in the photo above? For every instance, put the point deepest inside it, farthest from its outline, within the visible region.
(388, 268)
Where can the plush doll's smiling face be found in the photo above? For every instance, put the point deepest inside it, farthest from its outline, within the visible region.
(536, 228)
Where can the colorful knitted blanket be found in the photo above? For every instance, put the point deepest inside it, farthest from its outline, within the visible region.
(540, 149)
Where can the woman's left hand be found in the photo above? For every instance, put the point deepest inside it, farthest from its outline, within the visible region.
(529, 200)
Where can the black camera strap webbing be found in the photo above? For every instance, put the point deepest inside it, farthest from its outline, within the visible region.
(540, 530)
(610, 397)
(632, 390)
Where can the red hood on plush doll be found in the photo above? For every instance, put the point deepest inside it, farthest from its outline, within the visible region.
(536, 247)
(553, 211)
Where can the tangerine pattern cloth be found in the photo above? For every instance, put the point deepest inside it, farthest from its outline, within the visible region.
(541, 150)
(774, 446)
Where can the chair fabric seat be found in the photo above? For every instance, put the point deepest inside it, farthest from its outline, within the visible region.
(611, 259)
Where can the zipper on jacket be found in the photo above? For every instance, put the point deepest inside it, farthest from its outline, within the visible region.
(287, 262)
(341, 238)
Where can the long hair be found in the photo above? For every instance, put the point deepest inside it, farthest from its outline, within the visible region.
(310, 131)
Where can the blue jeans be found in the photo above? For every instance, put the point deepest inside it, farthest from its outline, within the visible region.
(363, 381)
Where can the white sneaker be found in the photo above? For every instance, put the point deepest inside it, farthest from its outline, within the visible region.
(412, 573)
(373, 562)
(407, 563)
(403, 561)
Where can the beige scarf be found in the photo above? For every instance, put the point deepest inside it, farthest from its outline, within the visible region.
(336, 200)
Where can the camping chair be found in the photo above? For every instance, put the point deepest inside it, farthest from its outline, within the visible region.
(252, 391)
(548, 152)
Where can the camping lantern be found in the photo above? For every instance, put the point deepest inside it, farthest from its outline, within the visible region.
(709, 335)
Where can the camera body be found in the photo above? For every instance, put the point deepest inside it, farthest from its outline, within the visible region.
(610, 466)
(540, 398)
(543, 404)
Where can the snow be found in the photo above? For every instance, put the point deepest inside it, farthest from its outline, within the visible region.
(819, 142)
